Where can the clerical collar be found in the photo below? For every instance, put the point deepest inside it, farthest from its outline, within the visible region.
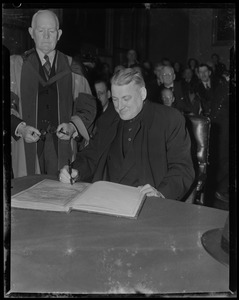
(41, 55)
(170, 86)
(136, 118)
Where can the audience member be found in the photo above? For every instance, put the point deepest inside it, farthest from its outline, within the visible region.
(206, 88)
(219, 67)
(177, 71)
(154, 86)
(214, 96)
(132, 59)
(118, 68)
(168, 79)
(103, 96)
(166, 62)
(189, 83)
(193, 65)
(148, 72)
(41, 83)
(140, 144)
(102, 92)
(105, 72)
(192, 100)
(167, 97)
(219, 141)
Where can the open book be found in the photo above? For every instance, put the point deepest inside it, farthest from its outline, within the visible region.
(99, 197)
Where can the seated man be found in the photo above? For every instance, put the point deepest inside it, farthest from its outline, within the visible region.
(139, 144)
(154, 86)
(168, 80)
(168, 97)
(103, 95)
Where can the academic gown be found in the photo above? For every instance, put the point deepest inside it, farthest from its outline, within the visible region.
(74, 95)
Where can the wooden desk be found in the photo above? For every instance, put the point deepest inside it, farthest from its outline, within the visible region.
(160, 252)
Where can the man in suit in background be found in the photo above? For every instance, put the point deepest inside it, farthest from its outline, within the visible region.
(139, 143)
(214, 95)
(154, 86)
(103, 94)
(206, 88)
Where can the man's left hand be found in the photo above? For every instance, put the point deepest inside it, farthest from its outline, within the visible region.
(150, 191)
(65, 131)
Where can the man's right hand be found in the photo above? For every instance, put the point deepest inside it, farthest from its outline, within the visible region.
(65, 177)
(29, 134)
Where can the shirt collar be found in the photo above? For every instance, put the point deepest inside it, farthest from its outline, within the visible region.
(41, 56)
(170, 86)
(105, 107)
(208, 83)
(137, 117)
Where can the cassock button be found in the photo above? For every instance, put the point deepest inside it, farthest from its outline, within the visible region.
(129, 139)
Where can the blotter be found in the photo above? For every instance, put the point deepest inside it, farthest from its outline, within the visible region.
(99, 197)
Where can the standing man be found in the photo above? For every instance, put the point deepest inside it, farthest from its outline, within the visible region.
(51, 96)
(206, 88)
(214, 95)
(139, 144)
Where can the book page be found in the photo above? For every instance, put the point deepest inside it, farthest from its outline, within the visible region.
(110, 198)
(48, 194)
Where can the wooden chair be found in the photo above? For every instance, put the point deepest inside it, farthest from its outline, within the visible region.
(199, 130)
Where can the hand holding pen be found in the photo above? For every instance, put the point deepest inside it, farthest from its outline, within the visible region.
(70, 171)
(43, 132)
(68, 174)
(29, 134)
(65, 131)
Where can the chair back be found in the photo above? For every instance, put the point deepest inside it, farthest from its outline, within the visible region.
(199, 130)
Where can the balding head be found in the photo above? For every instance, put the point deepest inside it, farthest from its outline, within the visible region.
(45, 14)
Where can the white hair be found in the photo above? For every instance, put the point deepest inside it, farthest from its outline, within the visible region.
(42, 11)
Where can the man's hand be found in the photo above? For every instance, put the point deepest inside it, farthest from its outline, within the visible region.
(150, 191)
(65, 177)
(65, 131)
(29, 133)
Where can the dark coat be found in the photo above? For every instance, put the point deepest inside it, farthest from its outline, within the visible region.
(154, 91)
(161, 150)
(207, 96)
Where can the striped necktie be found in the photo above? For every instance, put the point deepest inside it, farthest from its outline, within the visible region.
(47, 66)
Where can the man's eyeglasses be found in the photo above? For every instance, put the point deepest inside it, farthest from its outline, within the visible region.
(167, 74)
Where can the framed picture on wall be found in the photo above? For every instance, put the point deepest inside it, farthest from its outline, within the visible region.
(223, 27)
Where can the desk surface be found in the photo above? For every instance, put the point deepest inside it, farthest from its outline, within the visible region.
(79, 252)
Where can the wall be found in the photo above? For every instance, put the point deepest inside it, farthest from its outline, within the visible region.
(201, 29)
(180, 33)
(168, 34)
